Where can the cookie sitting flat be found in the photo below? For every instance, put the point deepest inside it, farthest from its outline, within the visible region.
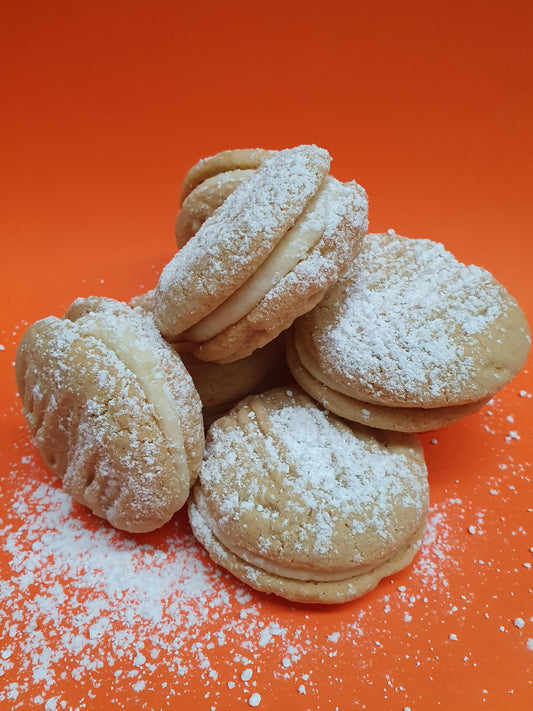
(295, 501)
(410, 339)
(113, 412)
(264, 257)
(209, 182)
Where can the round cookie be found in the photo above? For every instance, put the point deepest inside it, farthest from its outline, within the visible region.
(410, 339)
(264, 257)
(297, 502)
(208, 184)
(113, 412)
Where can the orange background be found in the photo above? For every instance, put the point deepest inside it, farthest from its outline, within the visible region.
(105, 105)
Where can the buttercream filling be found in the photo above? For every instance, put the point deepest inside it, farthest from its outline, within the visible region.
(290, 250)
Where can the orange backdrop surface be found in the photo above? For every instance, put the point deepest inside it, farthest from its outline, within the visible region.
(105, 105)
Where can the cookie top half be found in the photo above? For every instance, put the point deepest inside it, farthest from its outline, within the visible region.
(409, 325)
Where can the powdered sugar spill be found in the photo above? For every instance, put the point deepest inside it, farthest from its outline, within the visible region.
(86, 610)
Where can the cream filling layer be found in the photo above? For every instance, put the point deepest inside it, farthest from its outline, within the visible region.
(284, 571)
(145, 366)
(290, 250)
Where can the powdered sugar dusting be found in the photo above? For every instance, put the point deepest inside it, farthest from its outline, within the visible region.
(409, 319)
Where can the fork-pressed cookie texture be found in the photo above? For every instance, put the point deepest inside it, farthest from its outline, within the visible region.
(295, 501)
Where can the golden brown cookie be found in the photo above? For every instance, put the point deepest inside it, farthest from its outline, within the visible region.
(410, 339)
(264, 257)
(113, 412)
(295, 501)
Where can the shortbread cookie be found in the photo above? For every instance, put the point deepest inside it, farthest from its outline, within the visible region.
(410, 339)
(113, 412)
(208, 184)
(295, 501)
(264, 257)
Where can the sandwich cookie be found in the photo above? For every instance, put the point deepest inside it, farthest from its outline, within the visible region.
(265, 256)
(409, 340)
(297, 502)
(208, 184)
(113, 412)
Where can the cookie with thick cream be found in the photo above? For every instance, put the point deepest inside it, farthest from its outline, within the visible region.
(297, 502)
(410, 339)
(264, 257)
(209, 182)
(113, 412)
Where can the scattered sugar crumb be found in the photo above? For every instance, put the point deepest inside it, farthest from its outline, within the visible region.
(255, 699)
(246, 675)
(519, 622)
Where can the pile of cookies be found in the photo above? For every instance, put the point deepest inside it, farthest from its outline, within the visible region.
(311, 351)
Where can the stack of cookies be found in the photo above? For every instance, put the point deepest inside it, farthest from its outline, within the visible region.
(312, 351)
